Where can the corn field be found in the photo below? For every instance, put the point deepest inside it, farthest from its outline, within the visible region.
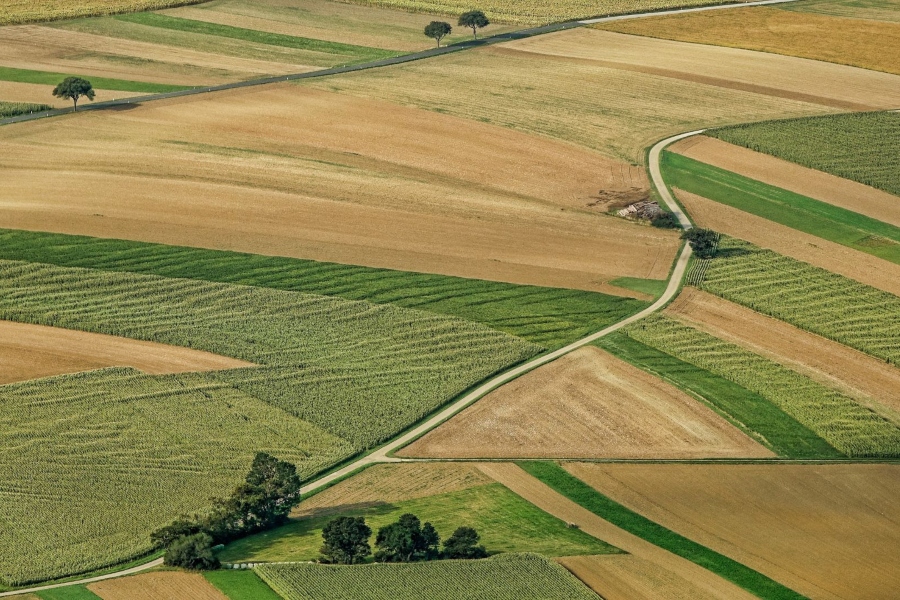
(504, 577)
(851, 428)
(12, 109)
(808, 297)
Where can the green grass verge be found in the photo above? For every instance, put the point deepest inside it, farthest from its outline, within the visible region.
(579, 492)
(864, 147)
(506, 577)
(355, 53)
(551, 317)
(100, 83)
(12, 109)
(821, 219)
(72, 592)
(241, 585)
(506, 522)
(651, 287)
(782, 433)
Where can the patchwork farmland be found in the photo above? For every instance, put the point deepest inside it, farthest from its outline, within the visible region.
(433, 323)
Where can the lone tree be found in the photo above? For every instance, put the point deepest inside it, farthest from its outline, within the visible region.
(703, 241)
(407, 540)
(438, 30)
(475, 20)
(74, 88)
(464, 544)
(346, 541)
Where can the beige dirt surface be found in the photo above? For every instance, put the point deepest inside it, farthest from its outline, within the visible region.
(787, 175)
(871, 381)
(837, 86)
(826, 531)
(32, 351)
(675, 567)
(845, 261)
(162, 585)
(587, 404)
(11, 91)
(626, 577)
(388, 483)
(285, 170)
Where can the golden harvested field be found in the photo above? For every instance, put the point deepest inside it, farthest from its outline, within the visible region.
(32, 351)
(825, 531)
(626, 577)
(873, 382)
(163, 585)
(848, 262)
(876, 10)
(787, 175)
(393, 483)
(615, 93)
(284, 170)
(587, 404)
(27, 11)
(40, 94)
(848, 41)
(666, 565)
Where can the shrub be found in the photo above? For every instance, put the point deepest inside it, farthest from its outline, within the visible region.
(192, 552)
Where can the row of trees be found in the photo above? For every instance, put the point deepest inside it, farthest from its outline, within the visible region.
(346, 541)
(474, 20)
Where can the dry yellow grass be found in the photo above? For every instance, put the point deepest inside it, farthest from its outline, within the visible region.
(32, 351)
(605, 91)
(587, 404)
(826, 531)
(847, 41)
(29, 11)
(876, 10)
(290, 171)
(163, 585)
(626, 577)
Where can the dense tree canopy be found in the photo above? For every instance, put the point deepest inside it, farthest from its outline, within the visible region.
(703, 241)
(438, 30)
(346, 541)
(407, 540)
(474, 20)
(74, 88)
(192, 552)
(464, 544)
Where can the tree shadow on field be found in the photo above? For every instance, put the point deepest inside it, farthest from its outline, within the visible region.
(121, 107)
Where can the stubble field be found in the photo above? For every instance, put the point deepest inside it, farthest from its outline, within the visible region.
(157, 586)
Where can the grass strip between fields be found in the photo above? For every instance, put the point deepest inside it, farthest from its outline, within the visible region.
(581, 493)
(241, 585)
(752, 412)
(551, 317)
(358, 53)
(802, 213)
(69, 592)
(99, 83)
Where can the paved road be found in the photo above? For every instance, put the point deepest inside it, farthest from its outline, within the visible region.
(132, 570)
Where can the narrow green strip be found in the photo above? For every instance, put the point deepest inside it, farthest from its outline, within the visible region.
(100, 83)
(783, 433)
(252, 35)
(241, 585)
(72, 592)
(651, 287)
(579, 492)
(821, 219)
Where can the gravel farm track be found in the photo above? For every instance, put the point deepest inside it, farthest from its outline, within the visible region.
(383, 454)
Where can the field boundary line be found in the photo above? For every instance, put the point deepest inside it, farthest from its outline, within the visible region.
(153, 563)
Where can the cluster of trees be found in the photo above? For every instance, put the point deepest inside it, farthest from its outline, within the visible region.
(704, 242)
(346, 541)
(265, 499)
(474, 20)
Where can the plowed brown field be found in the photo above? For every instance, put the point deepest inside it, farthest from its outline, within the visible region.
(164, 585)
(587, 404)
(32, 351)
(675, 567)
(787, 175)
(626, 577)
(826, 531)
(871, 381)
(298, 172)
(860, 266)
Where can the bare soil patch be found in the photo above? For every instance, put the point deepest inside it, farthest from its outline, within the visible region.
(297, 172)
(787, 175)
(626, 577)
(386, 483)
(163, 585)
(856, 265)
(871, 381)
(826, 531)
(548, 500)
(32, 351)
(587, 404)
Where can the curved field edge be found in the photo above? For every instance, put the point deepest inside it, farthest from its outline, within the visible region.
(557, 478)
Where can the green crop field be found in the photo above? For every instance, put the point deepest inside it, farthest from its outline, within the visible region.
(505, 521)
(550, 317)
(241, 585)
(11, 109)
(100, 83)
(848, 426)
(749, 411)
(505, 577)
(864, 147)
(808, 297)
(805, 214)
(72, 592)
